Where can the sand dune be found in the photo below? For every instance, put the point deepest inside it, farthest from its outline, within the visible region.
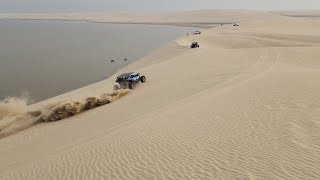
(245, 105)
(299, 13)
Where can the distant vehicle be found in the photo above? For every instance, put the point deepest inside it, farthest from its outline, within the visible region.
(129, 80)
(195, 45)
(235, 24)
(197, 32)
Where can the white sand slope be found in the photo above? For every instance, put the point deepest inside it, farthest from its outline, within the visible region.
(243, 106)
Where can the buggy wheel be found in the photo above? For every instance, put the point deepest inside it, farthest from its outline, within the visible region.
(143, 79)
(132, 85)
(123, 85)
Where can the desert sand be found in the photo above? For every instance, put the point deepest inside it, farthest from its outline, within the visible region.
(245, 105)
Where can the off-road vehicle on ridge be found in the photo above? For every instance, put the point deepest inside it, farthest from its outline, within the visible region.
(129, 80)
(194, 45)
(197, 32)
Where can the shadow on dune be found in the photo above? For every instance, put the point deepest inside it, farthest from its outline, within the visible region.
(14, 116)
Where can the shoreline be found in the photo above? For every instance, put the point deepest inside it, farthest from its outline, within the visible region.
(201, 25)
(109, 75)
(66, 98)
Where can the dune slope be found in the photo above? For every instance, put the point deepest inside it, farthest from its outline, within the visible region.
(245, 105)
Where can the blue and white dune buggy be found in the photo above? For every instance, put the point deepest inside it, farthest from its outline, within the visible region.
(129, 80)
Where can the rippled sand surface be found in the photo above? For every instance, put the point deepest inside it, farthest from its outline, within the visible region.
(245, 105)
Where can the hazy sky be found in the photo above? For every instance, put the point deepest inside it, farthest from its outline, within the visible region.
(150, 5)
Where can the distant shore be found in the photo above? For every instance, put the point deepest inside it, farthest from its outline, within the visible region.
(202, 25)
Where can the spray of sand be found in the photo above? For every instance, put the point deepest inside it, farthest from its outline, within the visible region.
(14, 116)
(12, 106)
